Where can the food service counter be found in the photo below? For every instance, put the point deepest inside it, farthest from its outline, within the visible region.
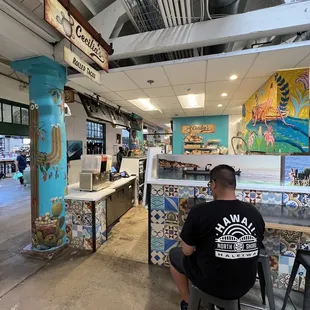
(286, 211)
(89, 214)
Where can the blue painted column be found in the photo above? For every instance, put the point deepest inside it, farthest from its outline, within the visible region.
(48, 150)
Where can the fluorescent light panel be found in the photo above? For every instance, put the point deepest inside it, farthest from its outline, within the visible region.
(192, 101)
(145, 104)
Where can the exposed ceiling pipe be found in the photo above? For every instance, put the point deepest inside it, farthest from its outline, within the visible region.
(168, 14)
(188, 9)
(162, 11)
(177, 10)
(183, 12)
(174, 20)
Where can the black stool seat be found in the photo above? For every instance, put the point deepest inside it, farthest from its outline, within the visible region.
(302, 258)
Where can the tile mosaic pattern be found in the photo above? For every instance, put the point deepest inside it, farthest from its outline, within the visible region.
(297, 205)
(79, 223)
(171, 206)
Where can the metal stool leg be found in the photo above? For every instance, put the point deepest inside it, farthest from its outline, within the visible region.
(269, 286)
(307, 292)
(291, 282)
(262, 282)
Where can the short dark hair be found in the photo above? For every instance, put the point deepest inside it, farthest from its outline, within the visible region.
(224, 176)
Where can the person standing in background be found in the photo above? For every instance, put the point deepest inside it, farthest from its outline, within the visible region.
(21, 164)
(119, 157)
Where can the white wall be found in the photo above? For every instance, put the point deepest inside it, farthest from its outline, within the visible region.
(233, 128)
(76, 130)
(10, 90)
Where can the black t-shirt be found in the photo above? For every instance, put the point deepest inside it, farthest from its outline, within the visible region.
(227, 235)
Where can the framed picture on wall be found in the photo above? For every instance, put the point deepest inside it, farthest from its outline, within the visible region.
(118, 139)
(75, 149)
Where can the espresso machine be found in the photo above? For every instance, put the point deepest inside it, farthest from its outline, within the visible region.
(95, 174)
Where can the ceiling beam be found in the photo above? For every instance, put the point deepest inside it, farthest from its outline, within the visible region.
(30, 43)
(277, 20)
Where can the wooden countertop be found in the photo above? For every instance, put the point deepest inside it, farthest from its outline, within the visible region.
(288, 227)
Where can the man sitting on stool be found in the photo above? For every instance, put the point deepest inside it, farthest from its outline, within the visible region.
(221, 243)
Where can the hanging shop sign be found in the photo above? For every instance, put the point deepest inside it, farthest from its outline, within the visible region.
(65, 18)
(206, 128)
(80, 65)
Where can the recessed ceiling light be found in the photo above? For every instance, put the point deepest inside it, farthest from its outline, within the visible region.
(224, 95)
(192, 101)
(233, 77)
(145, 104)
(219, 105)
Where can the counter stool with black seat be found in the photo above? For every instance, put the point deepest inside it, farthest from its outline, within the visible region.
(198, 298)
(302, 258)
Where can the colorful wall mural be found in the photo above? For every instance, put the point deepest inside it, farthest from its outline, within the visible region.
(275, 119)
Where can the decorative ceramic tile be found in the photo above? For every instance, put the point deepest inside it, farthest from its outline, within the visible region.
(274, 262)
(167, 260)
(87, 232)
(286, 264)
(304, 246)
(272, 242)
(253, 196)
(77, 206)
(157, 244)
(203, 193)
(68, 206)
(302, 284)
(171, 231)
(183, 205)
(87, 207)
(69, 232)
(290, 235)
(272, 198)
(284, 279)
(305, 237)
(77, 243)
(87, 219)
(68, 217)
(171, 204)
(157, 230)
(76, 218)
(88, 244)
(297, 205)
(157, 202)
(275, 278)
(171, 218)
(157, 190)
(169, 244)
(157, 258)
(171, 191)
(158, 217)
(239, 195)
(77, 231)
(186, 192)
(182, 218)
(302, 271)
(288, 248)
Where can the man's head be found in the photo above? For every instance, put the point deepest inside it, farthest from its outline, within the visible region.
(223, 182)
(121, 149)
(24, 153)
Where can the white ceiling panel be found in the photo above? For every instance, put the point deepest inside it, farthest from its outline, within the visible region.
(166, 102)
(194, 112)
(132, 94)
(159, 92)
(31, 4)
(123, 103)
(236, 103)
(304, 63)
(213, 112)
(181, 90)
(222, 68)
(248, 87)
(117, 81)
(186, 73)
(111, 96)
(215, 89)
(267, 63)
(233, 111)
(212, 104)
(89, 84)
(141, 77)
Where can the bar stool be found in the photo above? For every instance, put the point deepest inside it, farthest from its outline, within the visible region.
(196, 297)
(302, 258)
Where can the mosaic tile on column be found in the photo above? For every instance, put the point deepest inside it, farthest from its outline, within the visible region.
(284, 279)
(239, 195)
(157, 258)
(157, 244)
(171, 218)
(157, 190)
(167, 260)
(286, 264)
(157, 202)
(68, 233)
(274, 262)
(171, 191)
(272, 242)
(297, 205)
(157, 230)
(183, 205)
(171, 204)
(289, 242)
(272, 198)
(171, 231)
(170, 244)
(186, 192)
(157, 216)
(253, 196)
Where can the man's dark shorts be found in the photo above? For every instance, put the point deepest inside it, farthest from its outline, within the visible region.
(178, 260)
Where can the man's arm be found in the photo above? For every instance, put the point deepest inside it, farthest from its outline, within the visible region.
(188, 250)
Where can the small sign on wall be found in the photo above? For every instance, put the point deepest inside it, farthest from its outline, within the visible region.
(195, 129)
(69, 96)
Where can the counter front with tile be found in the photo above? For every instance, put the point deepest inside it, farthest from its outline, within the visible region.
(89, 214)
(285, 209)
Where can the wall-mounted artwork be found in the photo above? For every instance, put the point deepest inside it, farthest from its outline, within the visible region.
(75, 149)
(276, 117)
(297, 170)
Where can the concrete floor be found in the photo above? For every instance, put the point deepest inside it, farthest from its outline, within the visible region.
(115, 277)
